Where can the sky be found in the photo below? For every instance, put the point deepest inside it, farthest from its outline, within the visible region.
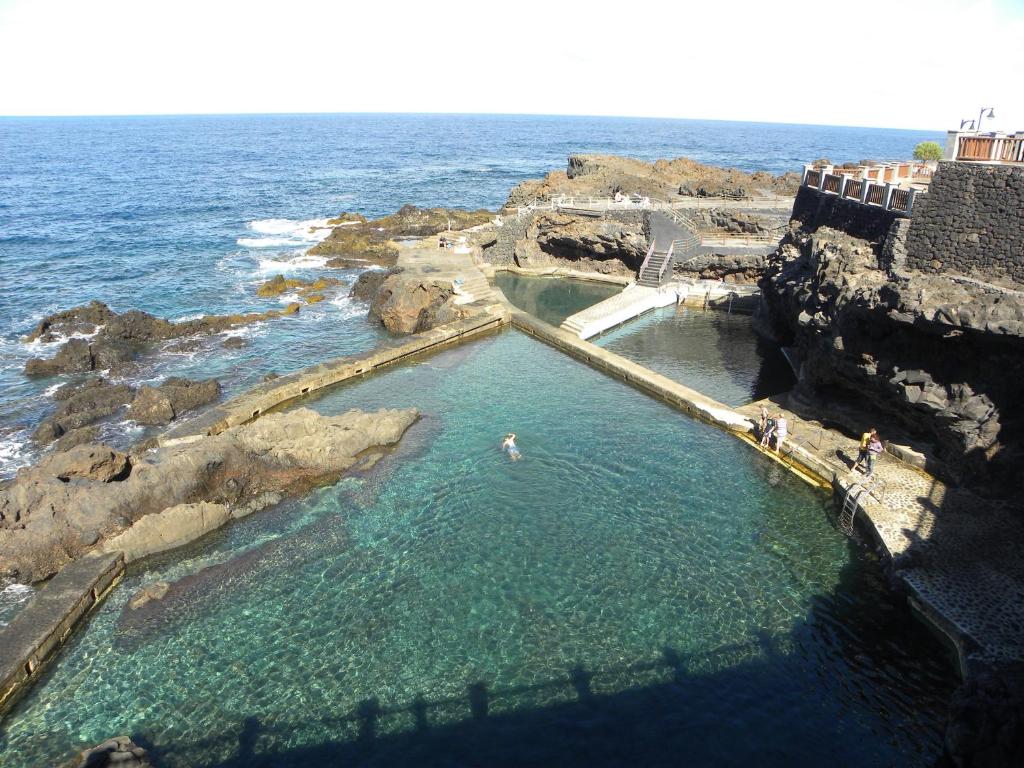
(892, 63)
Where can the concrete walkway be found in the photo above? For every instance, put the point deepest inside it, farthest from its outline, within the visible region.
(634, 301)
(425, 258)
(957, 553)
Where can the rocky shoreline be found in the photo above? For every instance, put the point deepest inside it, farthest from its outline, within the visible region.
(937, 356)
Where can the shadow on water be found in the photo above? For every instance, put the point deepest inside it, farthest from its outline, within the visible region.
(712, 708)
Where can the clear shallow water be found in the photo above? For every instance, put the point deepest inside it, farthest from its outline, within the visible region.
(639, 587)
(552, 299)
(182, 216)
(708, 350)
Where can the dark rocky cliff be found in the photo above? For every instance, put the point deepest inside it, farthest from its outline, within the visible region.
(941, 355)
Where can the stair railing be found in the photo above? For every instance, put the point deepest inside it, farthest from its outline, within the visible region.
(647, 258)
(667, 266)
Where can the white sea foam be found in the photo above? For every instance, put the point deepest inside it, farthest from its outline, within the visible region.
(349, 307)
(282, 233)
(279, 266)
(265, 242)
(38, 345)
(14, 452)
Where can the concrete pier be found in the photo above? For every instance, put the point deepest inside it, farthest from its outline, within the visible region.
(636, 300)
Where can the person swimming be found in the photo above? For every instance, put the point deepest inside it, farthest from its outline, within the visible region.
(509, 445)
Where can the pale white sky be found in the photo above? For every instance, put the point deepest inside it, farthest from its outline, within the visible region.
(893, 63)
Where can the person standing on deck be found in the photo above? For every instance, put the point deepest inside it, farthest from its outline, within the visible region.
(781, 430)
(862, 455)
(875, 449)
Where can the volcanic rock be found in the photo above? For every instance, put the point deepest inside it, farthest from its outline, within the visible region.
(88, 462)
(45, 522)
(120, 751)
(411, 304)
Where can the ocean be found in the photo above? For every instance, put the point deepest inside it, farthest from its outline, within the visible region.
(186, 215)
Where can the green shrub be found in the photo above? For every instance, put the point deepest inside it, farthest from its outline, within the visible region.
(928, 150)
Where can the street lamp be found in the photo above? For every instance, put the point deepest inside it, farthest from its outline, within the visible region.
(981, 114)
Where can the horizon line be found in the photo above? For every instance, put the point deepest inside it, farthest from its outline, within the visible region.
(457, 114)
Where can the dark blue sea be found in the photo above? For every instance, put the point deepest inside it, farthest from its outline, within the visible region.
(184, 216)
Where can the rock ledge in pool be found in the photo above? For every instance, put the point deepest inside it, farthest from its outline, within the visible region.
(47, 521)
(120, 751)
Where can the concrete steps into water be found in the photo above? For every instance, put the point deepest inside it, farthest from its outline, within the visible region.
(474, 288)
(634, 301)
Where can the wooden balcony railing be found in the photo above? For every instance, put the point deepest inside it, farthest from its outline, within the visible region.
(899, 200)
(991, 149)
(876, 195)
(832, 183)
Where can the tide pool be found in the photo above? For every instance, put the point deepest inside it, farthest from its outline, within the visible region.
(639, 589)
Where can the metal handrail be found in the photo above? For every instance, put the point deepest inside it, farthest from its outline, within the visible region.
(668, 261)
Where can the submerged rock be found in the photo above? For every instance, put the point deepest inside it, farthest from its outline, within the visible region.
(153, 591)
(119, 751)
(46, 521)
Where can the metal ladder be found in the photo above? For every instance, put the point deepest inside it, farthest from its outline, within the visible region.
(874, 486)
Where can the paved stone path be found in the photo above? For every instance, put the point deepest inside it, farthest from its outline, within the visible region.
(959, 554)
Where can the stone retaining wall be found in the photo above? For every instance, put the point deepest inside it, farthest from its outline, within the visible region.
(971, 222)
(277, 392)
(42, 626)
(817, 209)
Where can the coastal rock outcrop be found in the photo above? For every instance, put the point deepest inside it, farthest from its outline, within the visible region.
(119, 337)
(368, 284)
(46, 521)
(310, 291)
(83, 405)
(941, 356)
(605, 175)
(161, 405)
(358, 242)
(598, 245)
(90, 401)
(410, 303)
(169, 529)
(88, 462)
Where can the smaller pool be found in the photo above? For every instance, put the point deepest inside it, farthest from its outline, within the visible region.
(552, 299)
(716, 353)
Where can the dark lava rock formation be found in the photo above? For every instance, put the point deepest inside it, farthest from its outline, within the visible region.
(940, 355)
(85, 403)
(119, 337)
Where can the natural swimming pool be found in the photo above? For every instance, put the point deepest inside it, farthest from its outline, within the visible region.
(641, 588)
(715, 352)
(552, 299)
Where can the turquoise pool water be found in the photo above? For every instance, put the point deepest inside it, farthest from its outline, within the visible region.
(639, 589)
(709, 350)
(552, 299)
